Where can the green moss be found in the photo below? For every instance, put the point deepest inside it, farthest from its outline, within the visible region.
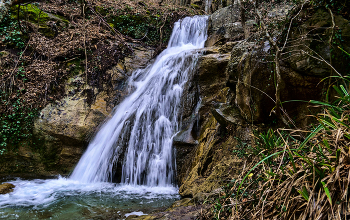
(111, 25)
(30, 12)
(195, 6)
(75, 67)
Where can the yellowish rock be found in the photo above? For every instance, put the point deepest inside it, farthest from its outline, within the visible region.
(6, 188)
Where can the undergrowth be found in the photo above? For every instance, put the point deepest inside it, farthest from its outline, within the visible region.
(16, 123)
(297, 174)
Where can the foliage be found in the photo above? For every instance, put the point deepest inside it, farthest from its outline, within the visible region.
(16, 124)
(296, 176)
(242, 149)
(11, 32)
(143, 27)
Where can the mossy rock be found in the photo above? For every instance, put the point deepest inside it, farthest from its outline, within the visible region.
(39, 18)
(31, 12)
(195, 6)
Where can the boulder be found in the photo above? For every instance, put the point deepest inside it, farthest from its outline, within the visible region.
(210, 162)
(209, 78)
(6, 188)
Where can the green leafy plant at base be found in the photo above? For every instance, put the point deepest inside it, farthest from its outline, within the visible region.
(11, 32)
(16, 124)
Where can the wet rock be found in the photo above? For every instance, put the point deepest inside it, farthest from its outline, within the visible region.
(6, 188)
(212, 76)
(184, 137)
(139, 59)
(201, 197)
(210, 162)
(181, 210)
(227, 115)
(181, 202)
(203, 88)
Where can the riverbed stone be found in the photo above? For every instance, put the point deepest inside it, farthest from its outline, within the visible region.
(6, 188)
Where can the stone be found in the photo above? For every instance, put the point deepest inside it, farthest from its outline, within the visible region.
(311, 39)
(210, 162)
(225, 25)
(6, 188)
(65, 127)
(227, 115)
(139, 59)
(207, 82)
(212, 76)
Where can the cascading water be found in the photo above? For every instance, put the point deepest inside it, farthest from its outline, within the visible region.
(140, 132)
(145, 122)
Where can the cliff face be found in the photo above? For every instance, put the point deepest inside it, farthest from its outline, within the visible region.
(236, 86)
(62, 70)
(66, 126)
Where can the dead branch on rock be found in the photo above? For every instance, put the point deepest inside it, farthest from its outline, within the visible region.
(277, 63)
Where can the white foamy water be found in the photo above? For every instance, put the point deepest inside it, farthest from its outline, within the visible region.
(40, 193)
(69, 199)
(145, 122)
(141, 128)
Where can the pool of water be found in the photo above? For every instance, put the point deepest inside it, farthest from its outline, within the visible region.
(63, 198)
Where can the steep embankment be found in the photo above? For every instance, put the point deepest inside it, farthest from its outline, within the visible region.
(229, 115)
(63, 68)
(239, 81)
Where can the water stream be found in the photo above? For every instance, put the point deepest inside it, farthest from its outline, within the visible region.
(138, 138)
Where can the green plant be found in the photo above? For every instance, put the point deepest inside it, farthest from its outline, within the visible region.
(11, 32)
(298, 176)
(148, 28)
(16, 123)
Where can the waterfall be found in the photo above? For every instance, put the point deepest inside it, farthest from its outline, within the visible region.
(143, 125)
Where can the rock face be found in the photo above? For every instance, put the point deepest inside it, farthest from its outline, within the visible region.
(65, 127)
(198, 93)
(6, 188)
(235, 87)
(319, 26)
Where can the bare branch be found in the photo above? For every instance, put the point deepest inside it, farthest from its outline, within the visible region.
(290, 25)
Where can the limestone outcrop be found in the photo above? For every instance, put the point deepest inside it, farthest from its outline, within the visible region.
(237, 96)
(65, 127)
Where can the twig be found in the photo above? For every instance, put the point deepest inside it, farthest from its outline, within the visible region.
(277, 67)
(160, 29)
(86, 64)
(290, 25)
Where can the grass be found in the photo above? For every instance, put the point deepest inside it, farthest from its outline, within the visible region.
(297, 174)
